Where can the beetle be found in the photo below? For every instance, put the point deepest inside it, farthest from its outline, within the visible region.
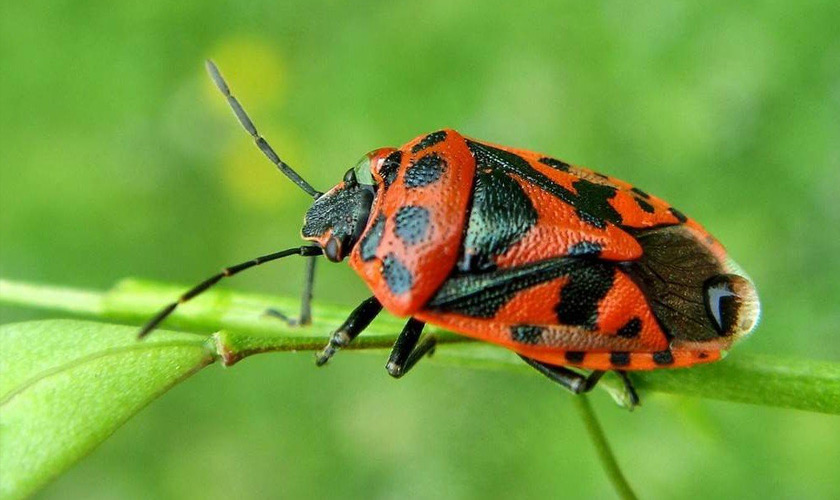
(569, 268)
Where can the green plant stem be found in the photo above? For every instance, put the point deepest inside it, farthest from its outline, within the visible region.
(747, 378)
(602, 448)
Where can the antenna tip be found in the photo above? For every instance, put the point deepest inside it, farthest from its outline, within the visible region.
(216, 76)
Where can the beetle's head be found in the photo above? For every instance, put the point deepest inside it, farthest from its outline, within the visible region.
(338, 217)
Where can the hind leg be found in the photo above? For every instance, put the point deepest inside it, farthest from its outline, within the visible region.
(578, 383)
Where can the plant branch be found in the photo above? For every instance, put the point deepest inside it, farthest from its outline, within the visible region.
(602, 448)
(746, 378)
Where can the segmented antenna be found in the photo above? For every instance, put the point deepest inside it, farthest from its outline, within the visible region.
(248, 125)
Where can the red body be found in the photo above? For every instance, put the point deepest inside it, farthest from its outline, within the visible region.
(448, 209)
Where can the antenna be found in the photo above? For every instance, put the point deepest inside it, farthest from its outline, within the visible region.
(248, 125)
(306, 251)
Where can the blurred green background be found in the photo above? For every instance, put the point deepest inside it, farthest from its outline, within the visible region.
(118, 158)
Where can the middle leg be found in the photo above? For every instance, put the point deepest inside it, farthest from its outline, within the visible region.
(406, 351)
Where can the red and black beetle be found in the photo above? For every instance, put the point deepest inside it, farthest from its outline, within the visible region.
(562, 265)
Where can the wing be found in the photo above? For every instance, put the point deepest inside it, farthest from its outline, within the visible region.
(578, 310)
(415, 230)
(529, 207)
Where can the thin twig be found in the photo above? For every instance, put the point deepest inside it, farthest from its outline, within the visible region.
(744, 377)
(602, 447)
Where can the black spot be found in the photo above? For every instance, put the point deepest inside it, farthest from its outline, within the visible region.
(429, 141)
(556, 164)
(665, 357)
(481, 295)
(590, 200)
(397, 276)
(390, 167)
(412, 224)
(679, 215)
(620, 358)
(580, 296)
(574, 356)
(647, 207)
(631, 329)
(426, 170)
(501, 215)
(591, 248)
(371, 239)
(527, 334)
(702, 355)
(640, 193)
(592, 205)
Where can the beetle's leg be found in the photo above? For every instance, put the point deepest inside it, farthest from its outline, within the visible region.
(632, 395)
(358, 320)
(406, 353)
(571, 380)
(305, 316)
(578, 383)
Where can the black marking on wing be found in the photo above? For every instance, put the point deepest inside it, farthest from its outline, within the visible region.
(647, 207)
(584, 248)
(481, 295)
(574, 356)
(589, 198)
(501, 215)
(580, 296)
(429, 141)
(679, 215)
(631, 329)
(592, 205)
(620, 358)
(665, 357)
(527, 334)
(556, 164)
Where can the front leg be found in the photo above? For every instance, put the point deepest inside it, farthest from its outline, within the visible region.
(358, 320)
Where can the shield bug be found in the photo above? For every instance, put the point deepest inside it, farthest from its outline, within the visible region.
(566, 267)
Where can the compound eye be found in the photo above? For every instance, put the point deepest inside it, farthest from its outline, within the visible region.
(362, 171)
(350, 178)
(332, 250)
(731, 303)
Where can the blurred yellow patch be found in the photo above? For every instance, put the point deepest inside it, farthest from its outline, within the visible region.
(254, 70)
(251, 179)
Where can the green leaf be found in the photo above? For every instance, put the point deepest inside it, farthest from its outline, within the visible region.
(67, 385)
